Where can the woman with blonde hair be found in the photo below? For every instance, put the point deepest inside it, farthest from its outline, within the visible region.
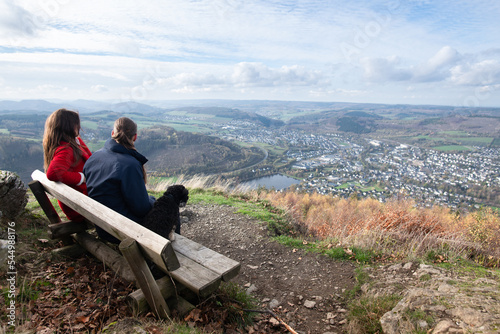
(65, 153)
(116, 176)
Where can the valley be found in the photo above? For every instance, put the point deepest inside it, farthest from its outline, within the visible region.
(435, 155)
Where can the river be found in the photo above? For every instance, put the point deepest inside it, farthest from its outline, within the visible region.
(277, 181)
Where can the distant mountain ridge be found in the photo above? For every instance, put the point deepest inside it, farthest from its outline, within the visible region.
(85, 106)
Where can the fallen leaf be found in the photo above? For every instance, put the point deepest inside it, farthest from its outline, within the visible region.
(83, 319)
(154, 329)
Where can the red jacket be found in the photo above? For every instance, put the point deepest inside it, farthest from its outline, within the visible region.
(65, 169)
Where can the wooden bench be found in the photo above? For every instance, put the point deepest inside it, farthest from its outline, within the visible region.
(188, 265)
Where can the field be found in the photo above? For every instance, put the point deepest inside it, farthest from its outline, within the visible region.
(448, 148)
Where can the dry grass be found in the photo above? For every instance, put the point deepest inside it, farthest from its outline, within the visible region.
(397, 226)
(200, 182)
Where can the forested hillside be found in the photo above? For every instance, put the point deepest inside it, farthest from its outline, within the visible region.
(173, 152)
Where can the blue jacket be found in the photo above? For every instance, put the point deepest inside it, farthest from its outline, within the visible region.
(115, 179)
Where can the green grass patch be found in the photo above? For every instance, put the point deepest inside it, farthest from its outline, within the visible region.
(447, 148)
(455, 133)
(261, 210)
(234, 300)
(366, 312)
(95, 145)
(337, 253)
(188, 128)
(477, 140)
(345, 185)
(89, 125)
(362, 278)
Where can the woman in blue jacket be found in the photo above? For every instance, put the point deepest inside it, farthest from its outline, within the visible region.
(116, 176)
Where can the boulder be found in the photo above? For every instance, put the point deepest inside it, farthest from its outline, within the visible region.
(13, 197)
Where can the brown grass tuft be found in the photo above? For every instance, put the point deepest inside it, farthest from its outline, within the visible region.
(396, 226)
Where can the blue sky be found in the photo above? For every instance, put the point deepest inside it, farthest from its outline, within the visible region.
(395, 51)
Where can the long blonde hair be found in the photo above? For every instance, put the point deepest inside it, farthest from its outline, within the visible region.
(61, 125)
(124, 131)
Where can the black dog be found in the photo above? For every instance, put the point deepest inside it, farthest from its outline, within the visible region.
(164, 218)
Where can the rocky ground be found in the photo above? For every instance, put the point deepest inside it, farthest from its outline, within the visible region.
(303, 289)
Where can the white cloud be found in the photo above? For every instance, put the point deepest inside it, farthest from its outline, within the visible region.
(446, 65)
(258, 74)
(99, 88)
(486, 72)
(438, 67)
(16, 21)
(382, 70)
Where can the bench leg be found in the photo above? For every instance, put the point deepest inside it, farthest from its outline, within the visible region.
(170, 292)
(130, 250)
(39, 192)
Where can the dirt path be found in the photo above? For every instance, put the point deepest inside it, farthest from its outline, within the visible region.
(303, 289)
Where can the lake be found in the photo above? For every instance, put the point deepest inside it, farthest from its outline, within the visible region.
(277, 181)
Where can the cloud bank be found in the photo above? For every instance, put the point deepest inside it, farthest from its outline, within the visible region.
(442, 52)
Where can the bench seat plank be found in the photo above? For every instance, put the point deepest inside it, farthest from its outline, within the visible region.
(222, 265)
(196, 277)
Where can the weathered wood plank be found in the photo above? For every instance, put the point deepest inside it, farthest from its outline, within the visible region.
(39, 192)
(145, 279)
(155, 246)
(196, 277)
(66, 228)
(217, 262)
(107, 255)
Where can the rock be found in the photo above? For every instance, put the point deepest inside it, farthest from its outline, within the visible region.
(447, 326)
(251, 289)
(309, 304)
(13, 198)
(4, 251)
(425, 269)
(274, 322)
(395, 267)
(455, 303)
(273, 304)
(446, 288)
(422, 324)
(470, 316)
(407, 266)
(330, 315)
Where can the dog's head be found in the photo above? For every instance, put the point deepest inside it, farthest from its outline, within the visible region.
(179, 193)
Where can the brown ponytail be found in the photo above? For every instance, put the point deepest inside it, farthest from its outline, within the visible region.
(124, 132)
